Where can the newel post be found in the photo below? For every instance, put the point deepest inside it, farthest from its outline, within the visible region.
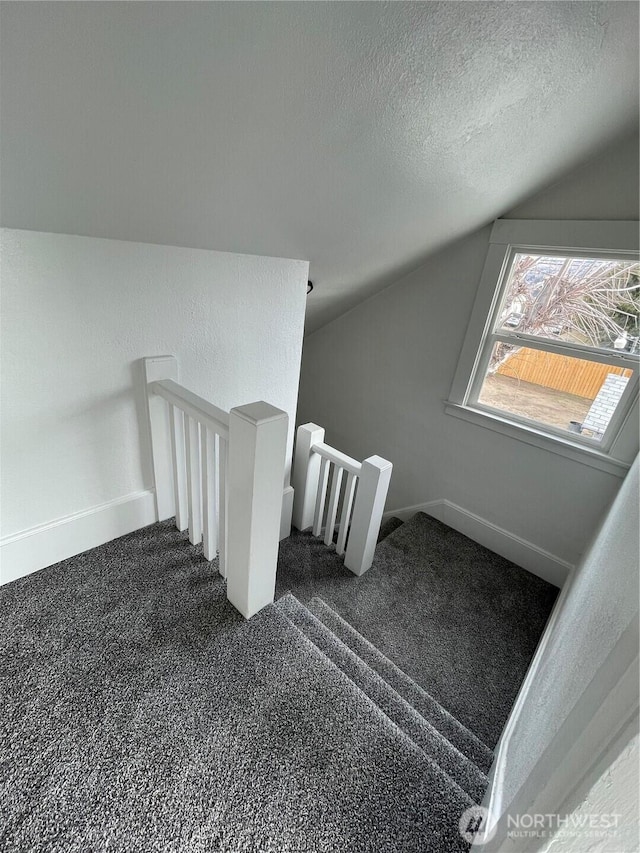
(256, 465)
(155, 369)
(371, 494)
(306, 473)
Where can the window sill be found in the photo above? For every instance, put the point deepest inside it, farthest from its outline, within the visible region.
(560, 446)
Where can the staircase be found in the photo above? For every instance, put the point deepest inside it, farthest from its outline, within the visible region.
(454, 758)
(143, 712)
(442, 739)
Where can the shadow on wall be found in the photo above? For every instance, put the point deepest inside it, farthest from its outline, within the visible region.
(108, 417)
(139, 385)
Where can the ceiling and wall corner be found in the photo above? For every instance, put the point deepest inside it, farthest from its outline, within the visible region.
(376, 379)
(78, 315)
(358, 136)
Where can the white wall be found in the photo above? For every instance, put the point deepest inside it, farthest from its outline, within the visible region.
(615, 792)
(77, 315)
(577, 674)
(376, 379)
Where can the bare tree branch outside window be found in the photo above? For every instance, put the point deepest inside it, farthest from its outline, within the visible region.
(588, 301)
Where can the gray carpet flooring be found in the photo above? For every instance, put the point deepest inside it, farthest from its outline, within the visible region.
(458, 619)
(458, 767)
(418, 699)
(142, 713)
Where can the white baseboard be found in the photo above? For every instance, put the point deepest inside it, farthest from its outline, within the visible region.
(46, 544)
(30, 550)
(525, 554)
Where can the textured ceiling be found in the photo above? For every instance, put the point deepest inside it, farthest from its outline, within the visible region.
(359, 136)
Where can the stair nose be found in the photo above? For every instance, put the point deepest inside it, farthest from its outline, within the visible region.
(460, 769)
(424, 703)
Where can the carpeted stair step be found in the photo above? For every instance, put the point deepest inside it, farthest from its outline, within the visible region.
(197, 730)
(434, 745)
(432, 827)
(387, 527)
(428, 707)
(461, 621)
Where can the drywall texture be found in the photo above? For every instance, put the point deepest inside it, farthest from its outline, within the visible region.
(77, 315)
(601, 604)
(615, 796)
(376, 379)
(359, 135)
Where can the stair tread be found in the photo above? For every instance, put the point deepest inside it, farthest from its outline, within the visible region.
(445, 801)
(458, 767)
(427, 706)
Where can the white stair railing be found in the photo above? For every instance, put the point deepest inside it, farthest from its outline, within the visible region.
(359, 500)
(220, 473)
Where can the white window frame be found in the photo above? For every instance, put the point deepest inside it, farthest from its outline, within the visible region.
(620, 442)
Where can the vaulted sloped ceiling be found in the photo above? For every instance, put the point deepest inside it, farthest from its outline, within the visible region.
(359, 136)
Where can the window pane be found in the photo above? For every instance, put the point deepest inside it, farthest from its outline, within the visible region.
(589, 301)
(573, 394)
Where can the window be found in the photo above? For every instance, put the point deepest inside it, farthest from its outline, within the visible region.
(552, 354)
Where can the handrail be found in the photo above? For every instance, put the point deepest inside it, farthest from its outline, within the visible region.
(196, 407)
(220, 474)
(322, 493)
(340, 459)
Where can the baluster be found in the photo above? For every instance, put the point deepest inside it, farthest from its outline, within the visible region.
(306, 471)
(347, 503)
(156, 369)
(176, 425)
(193, 480)
(209, 494)
(223, 493)
(320, 498)
(333, 504)
(367, 513)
